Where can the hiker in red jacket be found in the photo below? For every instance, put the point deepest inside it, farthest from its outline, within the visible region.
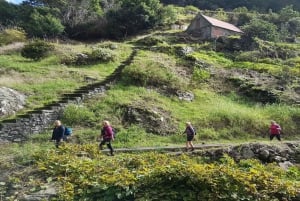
(107, 136)
(274, 130)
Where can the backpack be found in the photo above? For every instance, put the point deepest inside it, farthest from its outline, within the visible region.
(193, 130)
(114, 132)
(68, 131)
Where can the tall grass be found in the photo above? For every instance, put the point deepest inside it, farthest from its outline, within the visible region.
(216, 117)
(46, 80)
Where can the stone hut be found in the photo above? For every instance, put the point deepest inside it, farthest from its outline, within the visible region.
(207, 28)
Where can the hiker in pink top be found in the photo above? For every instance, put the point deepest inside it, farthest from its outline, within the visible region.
(107, 136)
(274, 130)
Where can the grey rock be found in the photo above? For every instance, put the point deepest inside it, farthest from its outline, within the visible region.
(285, 165)
(264, 154)
(187, 96)
(49, 192)
(11, 101)
(246, 152)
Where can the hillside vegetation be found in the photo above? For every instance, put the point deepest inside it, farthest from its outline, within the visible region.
(230, 95)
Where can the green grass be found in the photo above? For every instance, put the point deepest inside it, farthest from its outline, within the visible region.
(216, 117)
(46, 80)
(156, 69)
(212, 58)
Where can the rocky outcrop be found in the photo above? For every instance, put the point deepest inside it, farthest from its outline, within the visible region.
(153, 119)
(11, 101)
(280, 153)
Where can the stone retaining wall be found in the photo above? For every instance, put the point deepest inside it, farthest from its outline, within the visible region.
(39, 120)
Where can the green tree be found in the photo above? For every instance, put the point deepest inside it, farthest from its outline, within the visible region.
(288, 13)
(78, 16)
(260, 29)
(133, 16)
(43, 25)
(294, 26)
(8, 14)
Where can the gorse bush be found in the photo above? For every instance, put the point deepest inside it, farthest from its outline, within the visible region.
(99, 55)
(154, 176)
(12, 35)
(150, 41)
(36, 50)
(102, 55)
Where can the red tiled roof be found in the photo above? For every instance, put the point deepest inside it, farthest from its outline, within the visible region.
(221, 24)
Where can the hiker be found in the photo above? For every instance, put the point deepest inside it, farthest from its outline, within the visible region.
(190, 134)
(107, 136)
(58, 133)
(274, 131)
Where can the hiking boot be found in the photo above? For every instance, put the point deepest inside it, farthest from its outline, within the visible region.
(193, 149)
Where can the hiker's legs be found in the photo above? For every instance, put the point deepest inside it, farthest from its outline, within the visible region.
(187, 144)
(110, 148)
(278, 137)
(271, 137)
(101, 144)
(191, 145)
(57, 143)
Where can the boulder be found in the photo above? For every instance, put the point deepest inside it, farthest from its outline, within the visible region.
(155, 120)
(11, 101)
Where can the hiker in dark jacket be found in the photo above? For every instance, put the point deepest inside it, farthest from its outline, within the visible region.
(58, 133)
(107, 136)
(190, 134)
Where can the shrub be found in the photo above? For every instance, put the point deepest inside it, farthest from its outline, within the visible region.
(200, 75)
(77, 115)
(97, 55)
(102, 55)
(261, 29)
(252, 56)
(154, 176)
(37, 50)
(150, 41)
(8, 36)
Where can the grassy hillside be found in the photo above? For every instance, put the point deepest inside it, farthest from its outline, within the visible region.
(144, 106)
(152, 82)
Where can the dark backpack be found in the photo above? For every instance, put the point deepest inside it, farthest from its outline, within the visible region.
(68, 131)
(193, 130)
(114, 132)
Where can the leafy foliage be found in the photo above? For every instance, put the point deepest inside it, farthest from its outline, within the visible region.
(97, 55)
(261, 29)
(40, 25)
(12, 35)
(75, 115)
(153, 176)
(36, 50)
(144, 14)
